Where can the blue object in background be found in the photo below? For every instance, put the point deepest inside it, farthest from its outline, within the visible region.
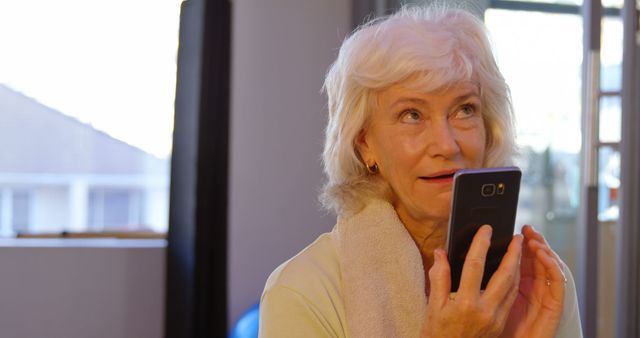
(247, 325)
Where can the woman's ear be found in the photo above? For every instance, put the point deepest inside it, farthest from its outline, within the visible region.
(363, 147)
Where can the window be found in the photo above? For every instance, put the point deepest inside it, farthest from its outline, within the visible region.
(86, 114)
(539, 49)
(115, 210)
(605, 3)
(15, 210)
(550, 192)
(20, 210)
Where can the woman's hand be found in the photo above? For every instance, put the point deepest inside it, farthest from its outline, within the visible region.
(472, 313)
(538, 307)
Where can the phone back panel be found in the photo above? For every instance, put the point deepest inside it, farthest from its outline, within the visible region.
(482, 196)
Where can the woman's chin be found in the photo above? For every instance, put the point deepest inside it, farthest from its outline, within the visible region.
(438, 214)
(440, 207)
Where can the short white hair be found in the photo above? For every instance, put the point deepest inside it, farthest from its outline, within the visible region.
(433, 47)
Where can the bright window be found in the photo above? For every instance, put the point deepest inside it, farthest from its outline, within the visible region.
(86, 114)
(540, 54)
(605, 3)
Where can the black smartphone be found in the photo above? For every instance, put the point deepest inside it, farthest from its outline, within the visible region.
(482, 196)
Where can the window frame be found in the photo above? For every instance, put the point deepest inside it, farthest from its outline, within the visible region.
(196, 298)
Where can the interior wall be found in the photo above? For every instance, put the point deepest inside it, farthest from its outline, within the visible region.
(281, 50)
(82, 288)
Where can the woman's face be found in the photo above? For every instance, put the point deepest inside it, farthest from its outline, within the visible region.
(418, 140)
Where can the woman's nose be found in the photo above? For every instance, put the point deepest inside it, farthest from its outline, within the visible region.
(442, 140)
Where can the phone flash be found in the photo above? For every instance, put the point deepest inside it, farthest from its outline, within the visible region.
(500, 189)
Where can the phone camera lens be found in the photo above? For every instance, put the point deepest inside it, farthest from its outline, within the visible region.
(488, 190)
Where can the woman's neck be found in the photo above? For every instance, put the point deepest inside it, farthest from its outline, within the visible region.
(428, 236)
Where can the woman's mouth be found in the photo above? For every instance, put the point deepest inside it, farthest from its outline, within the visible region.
(445, 176)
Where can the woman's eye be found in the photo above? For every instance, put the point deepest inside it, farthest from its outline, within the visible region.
(465, 111)
(411, 116)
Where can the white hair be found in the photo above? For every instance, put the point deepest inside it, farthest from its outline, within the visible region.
(432, 48)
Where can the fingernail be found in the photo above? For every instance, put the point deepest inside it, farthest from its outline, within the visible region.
(521, 242)
(490, 231)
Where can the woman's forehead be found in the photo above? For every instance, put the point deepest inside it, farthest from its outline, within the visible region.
(412, 89)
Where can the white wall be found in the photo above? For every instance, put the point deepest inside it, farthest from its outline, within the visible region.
(79, 289)
(156, 208)
(280, 53)
(50, 208)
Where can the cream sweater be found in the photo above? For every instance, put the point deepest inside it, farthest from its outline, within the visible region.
(363, 279)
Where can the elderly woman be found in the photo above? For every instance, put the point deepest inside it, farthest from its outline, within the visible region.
(413, 97)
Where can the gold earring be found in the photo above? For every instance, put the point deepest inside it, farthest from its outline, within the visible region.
(372, 169)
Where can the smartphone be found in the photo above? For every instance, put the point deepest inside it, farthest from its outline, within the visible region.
(482, 196)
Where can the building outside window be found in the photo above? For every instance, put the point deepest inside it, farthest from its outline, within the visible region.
(86, 115)
(20, 210)
(115, 209)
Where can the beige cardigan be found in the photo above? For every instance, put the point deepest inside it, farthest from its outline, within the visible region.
(363, 279)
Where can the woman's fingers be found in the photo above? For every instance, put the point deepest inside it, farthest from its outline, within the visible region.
(474, 262)
(528, 233)
(548, 274)
(554, 276)
(531, 234)
(440, 279)
(507, 277)
(536, 246)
